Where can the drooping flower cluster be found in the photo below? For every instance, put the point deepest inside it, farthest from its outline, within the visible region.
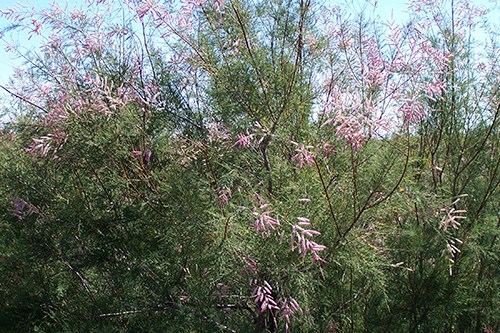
(169, 18)
(350, 129)
(263, 298)
(154, 7)
(244, 140)
(374, 73)
(264, 222)
(22, 208)
(284, 308)
(47, 145)
(217, 132)
(301, 241)
(250, 266)
(223, 196)
(452, 248)
(349, 117)
(303, 156)
(143, 157)
(451, 217)
(289, 307)
(387, 79)
(412, 110)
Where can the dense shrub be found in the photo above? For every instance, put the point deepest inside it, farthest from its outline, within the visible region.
(239, 166)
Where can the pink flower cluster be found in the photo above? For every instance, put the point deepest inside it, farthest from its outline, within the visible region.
(22, 208)
(264, 223)
(452, 246)
(223, 196)
(288, 308)
(217, 132)
(250, 266)
(452, 216)
(374, 73)
(153, 7)
(285, 308)
(412, 110)
(46, 144)
(450, 219)
(142, 157)
(351, 129)
(303, 155)
(300, 240)
(264, 298)
(244, 140)
(176, 21)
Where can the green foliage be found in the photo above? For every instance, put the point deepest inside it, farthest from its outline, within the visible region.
(132, 191)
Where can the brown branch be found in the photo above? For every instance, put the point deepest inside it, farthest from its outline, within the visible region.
(23, 99)
(325, 191)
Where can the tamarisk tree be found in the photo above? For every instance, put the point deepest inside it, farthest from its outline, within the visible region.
(235, 166)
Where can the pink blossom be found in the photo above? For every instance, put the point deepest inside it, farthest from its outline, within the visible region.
(412, 110)
(303, 156)
(77, 15)
(350, 129)
(488, 329)
(217, 132)
(137, 154)
(288, 308)
(22, 208)
(51, 142)
(264, 298)
(37, 26)
(434, 89)
(452, 247)
(244, 141)
(92, 44)
(264, 223)
(349, 116)
(224, 195)
(451, 217)
(147, 155)
(301, 241)
(304, 221)
(250, 265)
(327, 149)
(142, 156)
(374, 73)
(149, 6)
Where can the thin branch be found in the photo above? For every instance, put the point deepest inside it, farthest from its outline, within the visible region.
(23, 99)
(325, 191)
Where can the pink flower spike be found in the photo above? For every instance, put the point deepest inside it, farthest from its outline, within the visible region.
(137, 154)
(316, 257)
(263, 307)
(250, 265)
(147, 155)
(310, 233)
(244, 141)
(264, 222)
(303, 156)
(303, 221)
(264, 206)
(294, 304)
(37, 27)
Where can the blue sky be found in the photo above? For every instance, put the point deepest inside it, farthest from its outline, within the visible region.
(387, 9)
(6, 62)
